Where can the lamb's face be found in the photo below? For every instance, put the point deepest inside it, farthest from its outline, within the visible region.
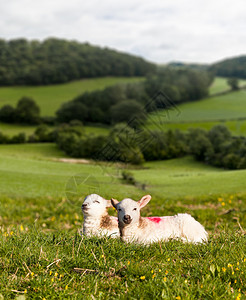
(95, 206)
(128, 212)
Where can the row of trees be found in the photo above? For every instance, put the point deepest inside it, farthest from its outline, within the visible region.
(26, 112)
(122, 103)
(52, 61)
(119, 103)
(233, 67)
(216, 147)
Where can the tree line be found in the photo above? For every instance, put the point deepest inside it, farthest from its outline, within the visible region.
(216, 147)
(119, 103)
(233, 67)
(123, 102)
(24, 62)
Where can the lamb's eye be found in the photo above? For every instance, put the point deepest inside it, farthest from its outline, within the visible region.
(119, 209)
(135, 208)
(96, 201)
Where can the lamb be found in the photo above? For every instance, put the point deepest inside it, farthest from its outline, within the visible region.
(97, 221)
(134, 228)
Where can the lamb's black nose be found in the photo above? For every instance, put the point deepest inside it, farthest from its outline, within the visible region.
(84, 205)
(127, 219)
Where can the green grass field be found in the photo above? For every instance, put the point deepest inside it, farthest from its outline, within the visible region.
(204, 114)
(220, 85)
(229, 109)
(226, 107)
(236, 127)
(13, 129)
(43, 257)
(49, 98)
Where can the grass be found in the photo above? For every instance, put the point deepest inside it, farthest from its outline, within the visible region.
(236, 127)
(14, 129)
(42, 256)
(49, 98)
(227, 109)
(220, 85)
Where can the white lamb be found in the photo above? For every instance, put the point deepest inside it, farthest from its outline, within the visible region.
(134, 228)
(97, 221)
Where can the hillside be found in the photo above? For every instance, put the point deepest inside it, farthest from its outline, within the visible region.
(231, 67)
(49, 98)
(56, 61)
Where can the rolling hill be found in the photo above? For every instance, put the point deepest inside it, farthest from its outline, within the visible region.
(231, 67)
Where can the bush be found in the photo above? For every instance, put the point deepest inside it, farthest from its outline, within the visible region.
(18, 139)
(72, 111)
(27, 111)
(128, 178)
(7, 114)
(3, 138)
(129, 111)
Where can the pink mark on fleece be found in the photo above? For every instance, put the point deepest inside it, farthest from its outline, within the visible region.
(154, 219)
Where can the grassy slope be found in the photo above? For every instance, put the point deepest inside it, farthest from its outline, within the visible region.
(49, 98)
(220, 85)
(206, 113)
(13, 129)
(38, 228)
(191, 114)
(37, 176)
(225, 107)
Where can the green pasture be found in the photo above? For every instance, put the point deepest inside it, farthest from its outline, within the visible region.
(236, 127)
(220, 85)
(13, 129)
(225, 107)
(44, 257)
(49, 98)
(28, 170)
(228, 109)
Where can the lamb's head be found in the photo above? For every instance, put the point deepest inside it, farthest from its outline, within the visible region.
(129, 210)
(95, 206)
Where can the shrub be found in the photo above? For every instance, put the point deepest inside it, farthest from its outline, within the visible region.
(27, 111)
(7, 114)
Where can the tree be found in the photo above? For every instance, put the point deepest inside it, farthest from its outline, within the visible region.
(7, 114)
(73, 110)
(233, 83)
(27, 111)
(129, 111)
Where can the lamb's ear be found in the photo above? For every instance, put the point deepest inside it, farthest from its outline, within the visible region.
(144, 200)
(114, 202)
(108, 203)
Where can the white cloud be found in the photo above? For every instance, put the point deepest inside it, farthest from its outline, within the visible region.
(160, 31)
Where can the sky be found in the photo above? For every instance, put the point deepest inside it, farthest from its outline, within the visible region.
(161, 31)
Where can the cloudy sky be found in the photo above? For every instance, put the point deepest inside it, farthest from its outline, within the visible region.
(158, 30)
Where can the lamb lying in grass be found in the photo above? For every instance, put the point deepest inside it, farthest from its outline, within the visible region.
(134, 228)
(97, 221)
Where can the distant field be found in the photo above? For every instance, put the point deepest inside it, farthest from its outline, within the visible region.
(34, 175)
(204, 113)
(236, 127)
(13, 129)
(225, 107)
(49, 98)
(220, 85)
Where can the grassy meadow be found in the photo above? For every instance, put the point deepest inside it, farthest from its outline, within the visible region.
(228, 109)
(220, 85)
(43, 256)
(49, 98)
(13, 129)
